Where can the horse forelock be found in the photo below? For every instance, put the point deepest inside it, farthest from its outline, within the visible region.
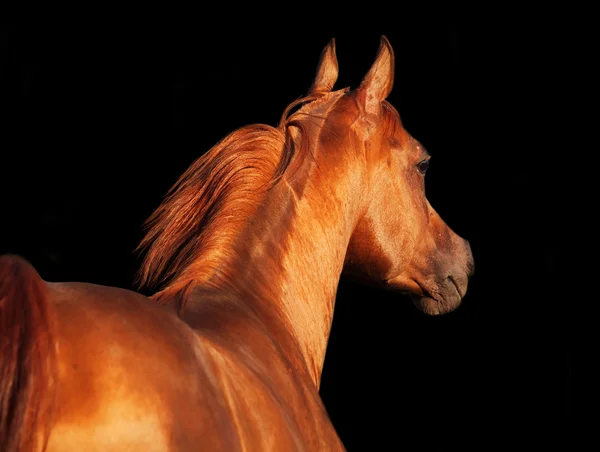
(189, 235)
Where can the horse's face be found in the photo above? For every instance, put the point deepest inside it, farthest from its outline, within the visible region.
(400, 241)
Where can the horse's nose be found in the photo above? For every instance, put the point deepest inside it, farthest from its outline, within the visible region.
(470, 265)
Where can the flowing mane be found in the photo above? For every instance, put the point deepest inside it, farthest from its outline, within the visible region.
(189, 233)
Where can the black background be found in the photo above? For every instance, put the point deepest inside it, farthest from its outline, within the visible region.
(98, 122)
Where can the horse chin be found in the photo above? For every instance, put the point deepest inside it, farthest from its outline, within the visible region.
(431, 306)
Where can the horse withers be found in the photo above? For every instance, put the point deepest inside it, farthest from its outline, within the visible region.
(246, 251)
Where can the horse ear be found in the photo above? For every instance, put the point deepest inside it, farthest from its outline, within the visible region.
(327, 70)
(378, 82)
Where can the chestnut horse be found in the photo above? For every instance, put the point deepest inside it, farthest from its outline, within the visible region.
(248, 248)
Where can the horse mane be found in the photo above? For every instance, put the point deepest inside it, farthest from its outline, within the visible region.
(188, 235)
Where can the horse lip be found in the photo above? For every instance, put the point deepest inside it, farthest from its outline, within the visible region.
(445, 301)
(427, 304)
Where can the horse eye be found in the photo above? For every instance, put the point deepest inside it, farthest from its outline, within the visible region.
(422, 166)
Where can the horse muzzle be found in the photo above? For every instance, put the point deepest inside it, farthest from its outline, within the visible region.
(444, 295)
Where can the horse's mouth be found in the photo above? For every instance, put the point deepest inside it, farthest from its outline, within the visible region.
(445, 300)
(429, 295)
(429, 305)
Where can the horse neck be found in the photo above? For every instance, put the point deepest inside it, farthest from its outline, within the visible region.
(290, 257)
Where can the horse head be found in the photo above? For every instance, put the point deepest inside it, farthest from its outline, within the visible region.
(399, 241)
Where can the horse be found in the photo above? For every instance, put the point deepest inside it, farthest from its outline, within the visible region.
(245, 251)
